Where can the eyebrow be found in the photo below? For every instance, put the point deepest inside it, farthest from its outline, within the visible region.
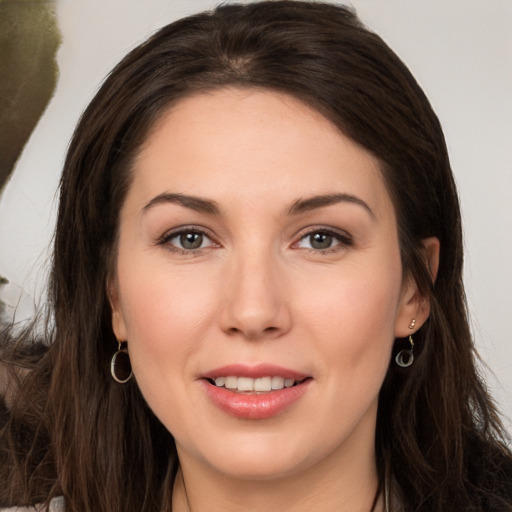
(194, 203)
(300, 206)
(312, 203)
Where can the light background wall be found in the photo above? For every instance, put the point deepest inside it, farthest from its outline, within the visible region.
(459, 50)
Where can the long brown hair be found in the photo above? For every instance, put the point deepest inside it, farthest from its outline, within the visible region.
(70, 429)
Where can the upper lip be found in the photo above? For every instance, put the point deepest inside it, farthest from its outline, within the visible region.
(254, 371)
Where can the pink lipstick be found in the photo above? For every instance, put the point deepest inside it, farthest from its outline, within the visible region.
(254, 392)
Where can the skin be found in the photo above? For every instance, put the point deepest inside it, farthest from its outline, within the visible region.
(260, 290)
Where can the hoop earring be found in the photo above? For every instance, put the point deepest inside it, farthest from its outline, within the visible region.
(405, 357)
(120, 367)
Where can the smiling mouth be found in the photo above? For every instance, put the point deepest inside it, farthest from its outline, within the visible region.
(255, 393)
(248, 385)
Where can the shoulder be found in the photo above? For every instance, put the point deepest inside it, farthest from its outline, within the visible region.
(56, 505)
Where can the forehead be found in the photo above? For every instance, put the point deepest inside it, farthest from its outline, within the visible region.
(251, 142)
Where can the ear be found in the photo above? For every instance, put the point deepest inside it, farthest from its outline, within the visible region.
(413, 305)
(118, 320)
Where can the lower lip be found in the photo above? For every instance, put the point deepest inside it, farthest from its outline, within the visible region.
(255, 407)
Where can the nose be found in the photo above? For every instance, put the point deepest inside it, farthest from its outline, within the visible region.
(256, 305)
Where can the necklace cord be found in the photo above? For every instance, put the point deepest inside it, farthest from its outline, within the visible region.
(375, 501)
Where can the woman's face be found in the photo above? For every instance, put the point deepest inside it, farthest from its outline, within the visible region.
(258, 250)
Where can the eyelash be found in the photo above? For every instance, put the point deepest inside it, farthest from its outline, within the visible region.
(165, 240)
(344, 240)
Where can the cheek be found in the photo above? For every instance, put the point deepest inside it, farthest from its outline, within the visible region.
(353, 318)
(165, 313)
(167, 317)
(352, 325)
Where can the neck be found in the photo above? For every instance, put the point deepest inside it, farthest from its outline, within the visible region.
(341, 482)
(253, 497)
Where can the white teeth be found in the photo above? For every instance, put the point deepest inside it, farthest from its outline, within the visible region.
(231, 382)
(277, 382)
(247, 384)
(263, 384)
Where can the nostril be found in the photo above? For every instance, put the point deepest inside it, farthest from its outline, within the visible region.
(254, 333)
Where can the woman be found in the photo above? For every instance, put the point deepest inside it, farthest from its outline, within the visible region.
(257, 213)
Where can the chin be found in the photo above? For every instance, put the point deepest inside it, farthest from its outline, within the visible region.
(267, 457)
(251, 469)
